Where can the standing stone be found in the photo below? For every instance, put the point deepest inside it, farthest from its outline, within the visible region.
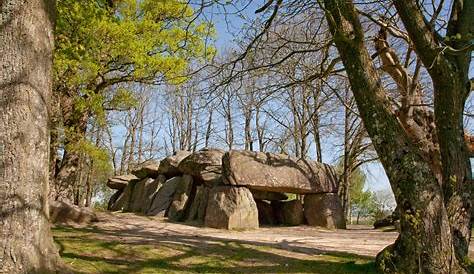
(169, 165)
(292, 212)
(197, 211)
(129, 192)
(277, 173)
(138, 201)
(180, 199)
(231, 208)
(204, 165)
(277, 212)
(113, 199)
(123, 200)
(324, 210)
(163, 197)
(150, 191)
(146, 169)
(266, 215)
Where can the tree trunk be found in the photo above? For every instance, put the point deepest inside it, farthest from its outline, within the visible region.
(248, 129)
(260, 130)
(66, 176)
(426, 243)
(26, 35)
(208, 129)
(140, 137)
(89, 186)
(316, 124)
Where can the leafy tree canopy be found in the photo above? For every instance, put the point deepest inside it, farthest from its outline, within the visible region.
(99, 46)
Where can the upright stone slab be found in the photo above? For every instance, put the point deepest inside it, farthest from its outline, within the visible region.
(204, 165)
(197, 211)
(169, 166)
(292, 212)
(324, 210)
(277, 173)
(231, 208)
(150, 192)
(138, 201)
(113, 199)
(163, 197)
(180, 202)
(123, 201)
(266, 215)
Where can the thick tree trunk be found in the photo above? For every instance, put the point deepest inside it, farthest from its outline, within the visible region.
(26, 38)
(426, 243)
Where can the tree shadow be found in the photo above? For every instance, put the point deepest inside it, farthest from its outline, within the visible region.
(201, 254)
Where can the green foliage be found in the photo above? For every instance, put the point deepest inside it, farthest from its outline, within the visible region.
(363, 201)
(98, 46)
(123, 99)
(99, 157)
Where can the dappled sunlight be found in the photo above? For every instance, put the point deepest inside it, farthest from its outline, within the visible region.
(112, 250)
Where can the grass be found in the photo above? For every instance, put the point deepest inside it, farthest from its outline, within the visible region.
(90, 251)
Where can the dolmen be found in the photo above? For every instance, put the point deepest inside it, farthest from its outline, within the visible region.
(236, 190)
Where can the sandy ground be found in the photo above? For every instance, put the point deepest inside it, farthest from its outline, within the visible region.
(360, 240)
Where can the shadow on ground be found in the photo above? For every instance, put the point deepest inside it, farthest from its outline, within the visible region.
(127, 243)
(94, 250)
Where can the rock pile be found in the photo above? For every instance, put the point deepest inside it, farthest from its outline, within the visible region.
(231, 190)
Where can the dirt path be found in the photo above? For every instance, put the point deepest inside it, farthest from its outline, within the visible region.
(130, 228)
(359, 240)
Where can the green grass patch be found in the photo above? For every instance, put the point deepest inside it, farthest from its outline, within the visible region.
(90, 251)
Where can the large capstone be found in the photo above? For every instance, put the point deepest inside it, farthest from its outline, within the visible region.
(146, 169)
(277, 173)
(231, 208)
(204, 165)
(169, 165)
(324, 210)
(121, 181)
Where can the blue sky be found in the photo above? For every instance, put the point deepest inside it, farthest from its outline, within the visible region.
(226, 30)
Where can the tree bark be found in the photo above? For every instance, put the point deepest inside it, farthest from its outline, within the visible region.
(450, 75)
(260, 129)
(426, 243)
(66, 176)
(208, 129)
(26, 37)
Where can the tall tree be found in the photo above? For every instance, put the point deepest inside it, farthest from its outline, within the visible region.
(26, 36)
(428, 168)
(100, 46)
